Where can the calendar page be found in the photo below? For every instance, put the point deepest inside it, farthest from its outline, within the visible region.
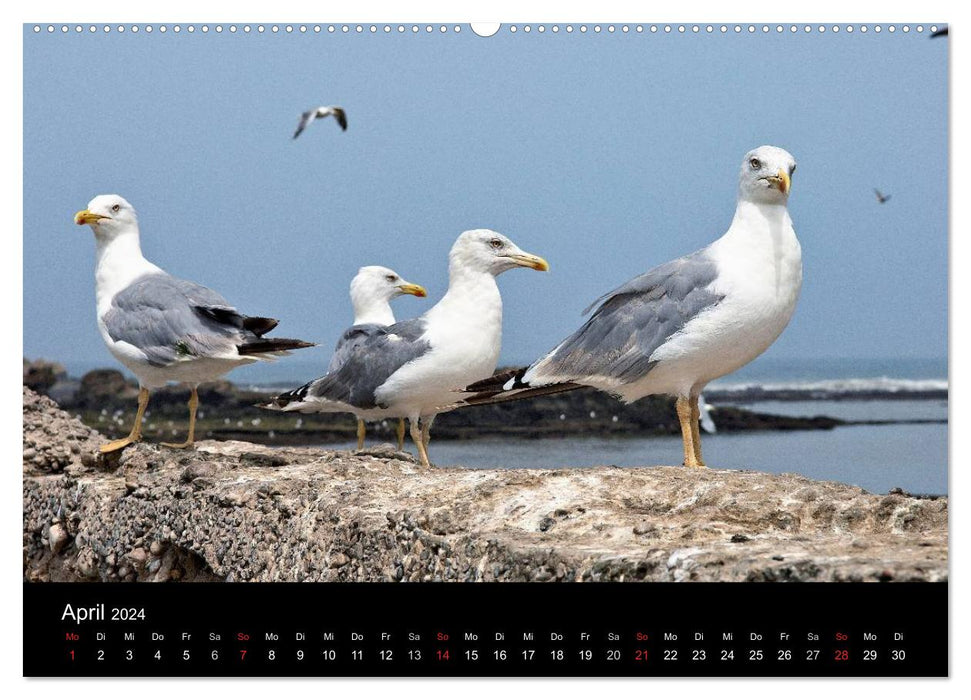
(437, 349)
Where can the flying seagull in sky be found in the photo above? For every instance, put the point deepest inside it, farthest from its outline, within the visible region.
(319, 113)
(940, 32)
(689, 321)
(411, 368)
(881, 197)
(165, 329)
(372, 290)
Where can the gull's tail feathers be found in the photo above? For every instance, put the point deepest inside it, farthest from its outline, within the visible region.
(509, 385)
(288, 401)
(305, 399)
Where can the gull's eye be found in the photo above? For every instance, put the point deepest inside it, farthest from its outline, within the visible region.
(755, 163)
(391, 278)
(116, 208)
(792, 169)
(496, 243)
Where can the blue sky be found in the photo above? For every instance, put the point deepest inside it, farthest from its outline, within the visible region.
(607, 154)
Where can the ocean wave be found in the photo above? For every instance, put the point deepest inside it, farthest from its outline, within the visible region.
(861, 385)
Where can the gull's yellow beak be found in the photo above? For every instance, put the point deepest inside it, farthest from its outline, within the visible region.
(87, 217)
(415, 289)
(533, 261)
(782, 181)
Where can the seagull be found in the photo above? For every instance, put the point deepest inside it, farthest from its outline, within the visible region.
(319, 113)
(881, 197)
(165, 329)
(678, 326)
(372, 290)
(411, 368)
(940, 32)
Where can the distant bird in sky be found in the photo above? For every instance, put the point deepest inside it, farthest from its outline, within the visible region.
(940, 32)
(881, 197)
(682, 324)
(412, 368)
(372, 290)
(319, 113)
(165, 329)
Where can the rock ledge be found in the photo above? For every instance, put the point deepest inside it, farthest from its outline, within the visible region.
(235, 511)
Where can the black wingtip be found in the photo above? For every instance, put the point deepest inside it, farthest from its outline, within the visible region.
(497, 381)
(508, 385)
(341, 118)
(488, 397)
(268, 345)
(260, 325)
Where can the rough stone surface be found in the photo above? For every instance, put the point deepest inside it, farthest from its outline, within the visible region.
(236, 511)
(53, 440)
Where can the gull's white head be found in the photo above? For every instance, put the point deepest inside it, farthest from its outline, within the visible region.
(766, 175)
(374, 283)
(108, 215)
(482, 250)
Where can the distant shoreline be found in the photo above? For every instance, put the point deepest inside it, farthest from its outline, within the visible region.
(104, 399)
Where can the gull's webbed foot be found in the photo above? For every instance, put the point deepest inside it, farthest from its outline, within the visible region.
(116, 445)
(188, 444)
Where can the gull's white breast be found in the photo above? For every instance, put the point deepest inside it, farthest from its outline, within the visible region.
(465, 334)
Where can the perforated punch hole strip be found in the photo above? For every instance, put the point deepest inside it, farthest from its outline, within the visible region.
(484, 30)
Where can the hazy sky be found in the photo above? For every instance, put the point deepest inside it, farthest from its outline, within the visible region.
(606, 154)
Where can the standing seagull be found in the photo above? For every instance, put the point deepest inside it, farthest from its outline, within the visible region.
(881, 197)
(411, 368)
(320, 113)
(165, 329)
(679, 326)
(372, 290)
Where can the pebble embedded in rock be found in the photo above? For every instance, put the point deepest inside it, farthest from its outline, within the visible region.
(339, 560)
(58, 538)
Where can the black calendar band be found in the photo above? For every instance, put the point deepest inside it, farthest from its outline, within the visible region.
(482, 629)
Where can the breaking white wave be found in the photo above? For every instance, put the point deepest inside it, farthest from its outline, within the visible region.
(830, 387)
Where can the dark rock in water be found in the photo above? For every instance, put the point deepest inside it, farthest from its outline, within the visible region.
(106, 401)
(730, 419)
(219, 514)
(101, 388)
(41, 375)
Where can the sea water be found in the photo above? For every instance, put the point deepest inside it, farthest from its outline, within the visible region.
(878, 458)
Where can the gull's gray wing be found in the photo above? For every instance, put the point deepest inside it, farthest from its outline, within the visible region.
(349, 341)
(367, 366)
(171, 319)
(305, 119)
(341, 116)
(633, 321)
